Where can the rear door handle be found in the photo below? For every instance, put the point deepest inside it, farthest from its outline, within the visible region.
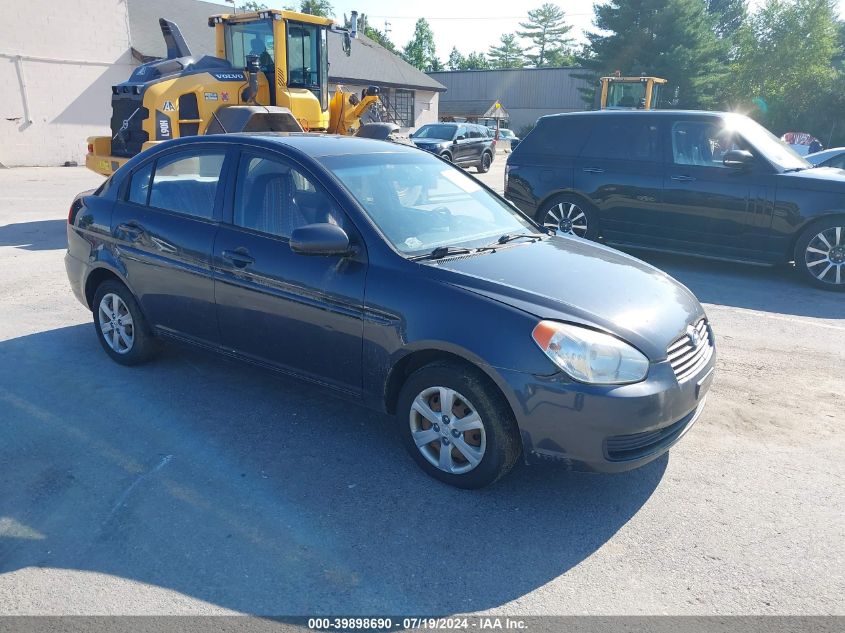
(593, 170)
(239, 257)
(683, 178)
(132, 230)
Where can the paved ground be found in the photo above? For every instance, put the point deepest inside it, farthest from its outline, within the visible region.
(196, 485)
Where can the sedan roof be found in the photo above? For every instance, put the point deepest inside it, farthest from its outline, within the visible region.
(317, 145)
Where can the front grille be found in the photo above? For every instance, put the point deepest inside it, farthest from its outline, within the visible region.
(128, 115)
(692, 351)
(620, 448)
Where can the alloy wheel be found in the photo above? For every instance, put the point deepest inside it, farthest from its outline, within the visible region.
(825, 256)
(116, 323)
(567, 218)
(447, 430)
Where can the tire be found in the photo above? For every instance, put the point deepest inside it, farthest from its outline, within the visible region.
(486, 160)
(566, 214)
(446, 156)
(820, 254)
(116, 311)
(476, 456)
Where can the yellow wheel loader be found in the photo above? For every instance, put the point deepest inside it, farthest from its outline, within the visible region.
(629, 93)
(270, 72)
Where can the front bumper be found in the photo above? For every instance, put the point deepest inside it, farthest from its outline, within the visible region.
(605, 428)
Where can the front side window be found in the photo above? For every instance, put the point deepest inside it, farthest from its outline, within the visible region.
(766, 143)
(420, 204)
(251, 38)
(703, 143)
(275, 198)
(187, 183)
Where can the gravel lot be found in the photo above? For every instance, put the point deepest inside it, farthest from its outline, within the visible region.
(198, 485)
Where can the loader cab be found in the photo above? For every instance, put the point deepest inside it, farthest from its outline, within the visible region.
(292, 51)
(629, 93)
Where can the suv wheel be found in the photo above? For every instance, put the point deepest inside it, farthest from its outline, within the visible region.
(570, 216)
(446, 156)
(486, 161)
(457, 426)
(121, 328)
(820, 253)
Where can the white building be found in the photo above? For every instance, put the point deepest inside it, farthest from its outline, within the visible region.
(56, 71)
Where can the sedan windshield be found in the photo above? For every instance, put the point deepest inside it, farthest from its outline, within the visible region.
(442, 132)
(421, 204)
(769, 145)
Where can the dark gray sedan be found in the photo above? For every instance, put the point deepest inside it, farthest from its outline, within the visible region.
(395, 280)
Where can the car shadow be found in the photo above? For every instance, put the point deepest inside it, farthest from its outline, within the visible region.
(778, 289)
(265, 495)
(40, 235)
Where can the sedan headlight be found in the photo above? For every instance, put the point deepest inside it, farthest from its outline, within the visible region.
(590, 356)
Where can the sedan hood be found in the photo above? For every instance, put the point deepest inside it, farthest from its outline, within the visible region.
(569, 279)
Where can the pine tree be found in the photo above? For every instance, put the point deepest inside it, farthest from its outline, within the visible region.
(475, 61)
(729, 15)
(420, 52)
(673, 39)
(547, 29)
(509, 54)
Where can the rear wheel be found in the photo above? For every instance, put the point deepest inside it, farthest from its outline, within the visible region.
(486, 161)
(457, 426)
(446, 156)
(121, 328)
(570, 216)
(820, 254)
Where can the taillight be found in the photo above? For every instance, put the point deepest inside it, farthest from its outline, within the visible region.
(75, 206)
(90, 148)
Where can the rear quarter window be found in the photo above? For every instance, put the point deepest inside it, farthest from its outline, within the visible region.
(557, 136)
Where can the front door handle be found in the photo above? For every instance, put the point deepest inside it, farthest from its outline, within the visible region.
(593, 170)
(239, 257)
(683, 178)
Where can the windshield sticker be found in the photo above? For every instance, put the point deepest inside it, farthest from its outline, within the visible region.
(464, 183)
(413, 243)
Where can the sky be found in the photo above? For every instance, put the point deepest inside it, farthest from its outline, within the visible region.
(468, 25)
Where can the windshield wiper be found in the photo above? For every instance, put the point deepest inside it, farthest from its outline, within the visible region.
(442, 251)
(510, 237)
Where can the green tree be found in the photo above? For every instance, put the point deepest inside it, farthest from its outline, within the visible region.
(784, 71)
(456, 60)
(548, 31)
(322, 8)
(508, 54)
(475, 61)
(253, 6)
(420, 51)
(674, 39)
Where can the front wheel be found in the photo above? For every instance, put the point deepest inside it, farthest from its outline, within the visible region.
(484, 165)
(820, 254)
(457, 426)
(569, 216)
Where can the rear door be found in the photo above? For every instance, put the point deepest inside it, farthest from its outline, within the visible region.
(298, 313)
(620, 171)
(478, 140)
(164, 224)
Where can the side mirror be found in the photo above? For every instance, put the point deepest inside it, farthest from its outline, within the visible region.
(411, 135)
(737, 158)
(320, 239)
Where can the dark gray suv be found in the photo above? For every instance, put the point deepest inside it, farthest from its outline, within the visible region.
(465, 144)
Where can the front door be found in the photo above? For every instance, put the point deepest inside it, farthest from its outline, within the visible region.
(164, 225)
(707, 207)
(301, 314)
